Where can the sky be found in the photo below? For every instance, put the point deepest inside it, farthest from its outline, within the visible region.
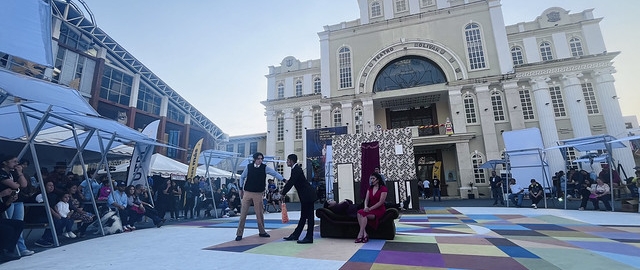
(215, 54)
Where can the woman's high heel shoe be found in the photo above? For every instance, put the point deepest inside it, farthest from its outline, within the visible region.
(359, 240)
(365, 239)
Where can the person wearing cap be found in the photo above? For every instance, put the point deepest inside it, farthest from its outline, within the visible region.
(254, 178)
(59, 177)
(118, 201)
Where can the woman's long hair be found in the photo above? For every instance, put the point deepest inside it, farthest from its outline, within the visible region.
(379, 177)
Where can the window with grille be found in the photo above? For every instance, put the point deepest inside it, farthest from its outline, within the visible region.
(576, 47)
(525, 102)
(229, 147)
(337, 118)
(116, 86)
(571, 156)
(478, 174)
(376, 9)
(148, 100)
(298, 88)
(545, 51)
(280, 90)
(317, 85)
(470, 109)
(317, 119)
(344, 62)
(401, 6)
(590, 98)
(175, 114)
(298, 121)
(557, 101)
(253, 147)
(241, 149)
(498, 106)
(280, 132)
(516, 55)
(475, 50)
(427, 3)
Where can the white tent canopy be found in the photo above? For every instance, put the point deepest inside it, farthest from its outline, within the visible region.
(165, 167)
(32, 40)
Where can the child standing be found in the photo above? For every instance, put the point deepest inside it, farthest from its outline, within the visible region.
(65, 221)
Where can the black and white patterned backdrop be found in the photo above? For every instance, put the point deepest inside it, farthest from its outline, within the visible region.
(395, 167)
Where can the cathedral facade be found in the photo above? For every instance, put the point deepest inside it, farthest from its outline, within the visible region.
(455, 75)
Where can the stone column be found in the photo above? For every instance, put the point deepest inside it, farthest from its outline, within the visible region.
(456, 105)
(368, 117)
(325, 115)
(347, 116)
(464, 162)
(289, 131)
(514, 105)
(307, 123)
(577, 111)
(610, 109)
(487, 122)
(547, 122)
(272, 132)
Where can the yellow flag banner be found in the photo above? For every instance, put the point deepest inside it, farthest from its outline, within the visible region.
(436, 170)
(193, 162)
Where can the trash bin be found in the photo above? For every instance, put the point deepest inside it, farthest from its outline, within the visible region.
(471, 196)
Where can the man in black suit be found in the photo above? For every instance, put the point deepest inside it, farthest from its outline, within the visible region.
(307, 197)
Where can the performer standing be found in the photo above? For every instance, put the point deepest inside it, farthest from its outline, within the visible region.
(307, 198)
(256, 181)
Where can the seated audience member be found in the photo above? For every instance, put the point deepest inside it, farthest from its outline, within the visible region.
(88, 186)
(602, 193)
(274, 198)
(234, 205)
(585, 193)
(65, 216)
(535, 193)
(73, 190)
(149, 210)
(59, 177)
(224, 188)
(135, 210)
(105, 190)
(78, 211)
(10, 229)
(345, 207)
(634, 184)
(118, 201)
(233, 191)
(516, 193)
(46, 240)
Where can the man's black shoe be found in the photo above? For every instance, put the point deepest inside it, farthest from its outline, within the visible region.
(264, 235)
(290, 238)
(305, 241)
(239, 237)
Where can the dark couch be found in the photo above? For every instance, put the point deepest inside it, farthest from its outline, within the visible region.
(333, 225)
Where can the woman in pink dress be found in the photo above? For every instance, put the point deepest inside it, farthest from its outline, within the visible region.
(374, 207)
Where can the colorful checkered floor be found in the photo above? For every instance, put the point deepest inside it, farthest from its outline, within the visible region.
(447, 238)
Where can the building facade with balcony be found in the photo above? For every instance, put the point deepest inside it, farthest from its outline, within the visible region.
(418, 64)
(115, 83)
